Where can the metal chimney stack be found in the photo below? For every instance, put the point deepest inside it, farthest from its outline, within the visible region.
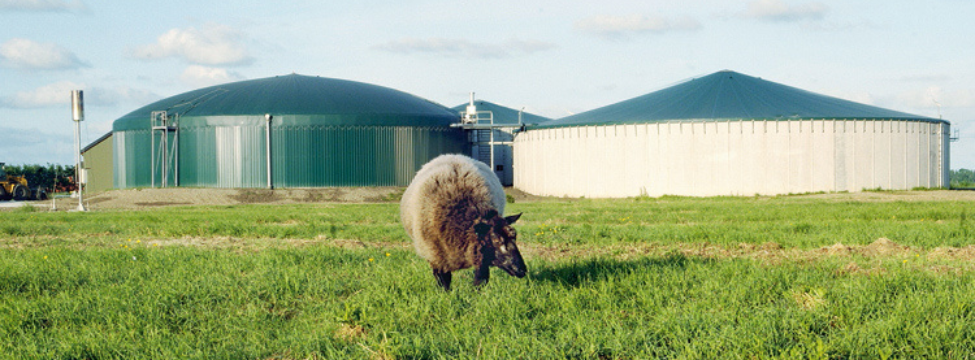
(78, 115)
(471, 114)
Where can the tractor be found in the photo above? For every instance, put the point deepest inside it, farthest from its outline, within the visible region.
(16, 188)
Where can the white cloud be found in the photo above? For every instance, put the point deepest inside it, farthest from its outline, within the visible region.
(201, 76)
(59, 94)
(616, 27)
(528, 46)
(27, 54)
(107, 96)
(43, 5)
(777, 10)
(45, 96)
(213, 44)
(464, 48)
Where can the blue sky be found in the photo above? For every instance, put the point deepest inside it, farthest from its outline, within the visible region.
(555, 58)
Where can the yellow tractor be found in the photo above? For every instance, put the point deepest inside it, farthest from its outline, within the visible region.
(16, 188)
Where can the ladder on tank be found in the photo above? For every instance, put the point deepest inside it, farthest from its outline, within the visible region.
(485, 135)
(165, 154)
(481, 128)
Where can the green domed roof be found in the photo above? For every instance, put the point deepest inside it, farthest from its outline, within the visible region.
(728, 95)
(308, 100)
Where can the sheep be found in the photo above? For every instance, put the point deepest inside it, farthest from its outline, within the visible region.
(452, 211)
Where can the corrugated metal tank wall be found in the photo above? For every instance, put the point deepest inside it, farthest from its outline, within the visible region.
(132, 156)
(309, 156)
(708, 158)
(302, 156)
(225, 156)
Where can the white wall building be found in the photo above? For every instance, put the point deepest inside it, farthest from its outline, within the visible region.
(731, 134)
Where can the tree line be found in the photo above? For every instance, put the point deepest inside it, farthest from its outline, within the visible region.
(53, 178)
(962, 178)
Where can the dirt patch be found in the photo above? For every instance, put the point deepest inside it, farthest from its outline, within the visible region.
(850, 268)
(518, 195)
(773, 253)
(256, 196)
(896, 195)
(99, 200)
(150, 198)
(324, 195)
(350, 333)
(809, 300)
(162, 203)
(884, 247)
(225, 242)
(855, 269)
(837, 249)
(967, 253)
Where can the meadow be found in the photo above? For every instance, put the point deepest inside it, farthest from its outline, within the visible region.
(786, 277)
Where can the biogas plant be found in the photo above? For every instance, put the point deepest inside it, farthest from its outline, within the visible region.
(722, 134)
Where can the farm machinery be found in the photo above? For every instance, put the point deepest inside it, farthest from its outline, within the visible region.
(17, 188)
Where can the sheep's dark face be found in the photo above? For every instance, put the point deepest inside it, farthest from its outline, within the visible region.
(502, 237)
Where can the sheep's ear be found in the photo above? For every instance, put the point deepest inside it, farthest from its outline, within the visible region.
(490, 214)
(511, 219)
(482, 228)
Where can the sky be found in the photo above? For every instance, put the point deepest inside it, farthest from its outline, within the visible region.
(552, 58)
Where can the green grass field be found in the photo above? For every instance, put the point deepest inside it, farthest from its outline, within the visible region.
(670, 278)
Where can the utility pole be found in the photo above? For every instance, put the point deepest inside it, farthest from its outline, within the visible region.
(78, 115)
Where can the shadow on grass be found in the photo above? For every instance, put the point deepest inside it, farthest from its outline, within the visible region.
(576, 273)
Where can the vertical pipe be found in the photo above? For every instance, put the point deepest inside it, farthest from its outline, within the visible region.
(152, 150)
(78, 115)
(164, 147)
(267, 144)
(176, 151)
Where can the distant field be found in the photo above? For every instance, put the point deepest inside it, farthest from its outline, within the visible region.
(764, 277)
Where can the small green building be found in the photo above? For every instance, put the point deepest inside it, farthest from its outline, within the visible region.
(97, 162)
(284, 131)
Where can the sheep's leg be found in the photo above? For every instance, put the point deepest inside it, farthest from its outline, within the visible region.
(443, 279)
(482, 275)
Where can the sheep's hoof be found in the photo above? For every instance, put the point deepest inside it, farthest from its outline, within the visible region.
(443, 279)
